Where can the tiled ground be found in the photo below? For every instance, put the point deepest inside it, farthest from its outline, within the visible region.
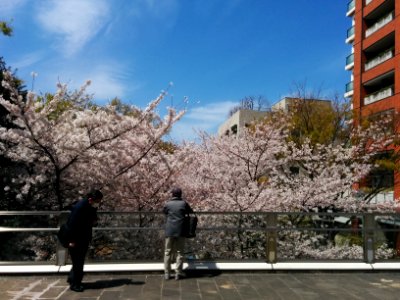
(226, 285)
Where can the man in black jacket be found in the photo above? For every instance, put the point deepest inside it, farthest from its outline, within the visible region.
(175, 209)
(80, 223)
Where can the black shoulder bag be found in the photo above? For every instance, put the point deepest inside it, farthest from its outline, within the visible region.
(190, 226)
(63, 235)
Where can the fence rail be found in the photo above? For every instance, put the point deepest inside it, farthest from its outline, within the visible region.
(261, 236)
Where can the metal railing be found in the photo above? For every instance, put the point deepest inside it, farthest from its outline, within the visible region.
(350, 59)
(264, 236)
(379, 95)
(349, 86)
(350, 32)
(380, 58)
(350, 35)
(351, 5)
(379, 24)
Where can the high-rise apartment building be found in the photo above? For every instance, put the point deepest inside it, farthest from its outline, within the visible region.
(374, 61)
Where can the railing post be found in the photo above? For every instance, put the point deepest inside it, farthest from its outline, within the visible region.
(369, 237)
(61, 255)
(271, 238)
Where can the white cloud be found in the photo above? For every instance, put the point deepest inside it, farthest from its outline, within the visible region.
(154, 8)
(205, 118)
(152, 13)
(8, 7)
(212, 112)
(162, 8)
(106, 85)
(28, 60)
(74, 22)
(108, 79)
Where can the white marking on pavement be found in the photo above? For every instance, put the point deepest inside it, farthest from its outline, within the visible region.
(27, 291)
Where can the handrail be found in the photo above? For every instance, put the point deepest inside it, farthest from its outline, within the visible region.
(380, 58)
(304, 213)
(266, 229)
(351, 5)
(379, 24)
(379, 95)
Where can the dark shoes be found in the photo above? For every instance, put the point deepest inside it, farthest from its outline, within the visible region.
(178, 276)
(76, 288)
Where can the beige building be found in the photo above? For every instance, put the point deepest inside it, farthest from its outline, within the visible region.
(239, 120)
(244, 117)
(286, 103)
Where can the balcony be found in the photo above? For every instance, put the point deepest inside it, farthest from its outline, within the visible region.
(350, 35)
(351, 7)
(349, 62)
(379, 95)
(349, 89)
(384, 56)
(379, 24)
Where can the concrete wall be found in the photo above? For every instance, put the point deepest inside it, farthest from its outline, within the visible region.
(240, 119)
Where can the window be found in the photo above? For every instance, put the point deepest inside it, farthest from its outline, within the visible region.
(234, 129)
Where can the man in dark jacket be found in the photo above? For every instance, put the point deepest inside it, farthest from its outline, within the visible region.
(80, 223)
(175, 209)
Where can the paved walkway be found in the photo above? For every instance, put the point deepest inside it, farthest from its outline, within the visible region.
(225, 285)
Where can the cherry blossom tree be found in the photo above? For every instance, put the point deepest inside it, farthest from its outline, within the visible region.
(70, 145)
(145, 187)
(237, 174)
(262, 170)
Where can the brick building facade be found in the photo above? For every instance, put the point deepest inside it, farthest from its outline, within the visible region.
(374, 61)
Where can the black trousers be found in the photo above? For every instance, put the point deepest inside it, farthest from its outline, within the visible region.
(78, 254)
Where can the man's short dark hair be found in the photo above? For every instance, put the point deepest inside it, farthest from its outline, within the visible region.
(176, 192)
(95, 195)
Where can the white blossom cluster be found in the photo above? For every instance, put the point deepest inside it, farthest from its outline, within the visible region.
(66, 145)
(260, 170)
(69, 146)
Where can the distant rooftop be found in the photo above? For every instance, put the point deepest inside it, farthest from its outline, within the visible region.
(244, 117)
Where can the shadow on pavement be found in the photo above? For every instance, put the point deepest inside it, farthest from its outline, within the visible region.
(103, 284)
(199, 269)
(202, 273)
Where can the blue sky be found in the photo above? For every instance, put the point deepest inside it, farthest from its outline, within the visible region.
(214, 51)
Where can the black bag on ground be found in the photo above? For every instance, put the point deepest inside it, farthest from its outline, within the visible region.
(190, 225)
(63, 235)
